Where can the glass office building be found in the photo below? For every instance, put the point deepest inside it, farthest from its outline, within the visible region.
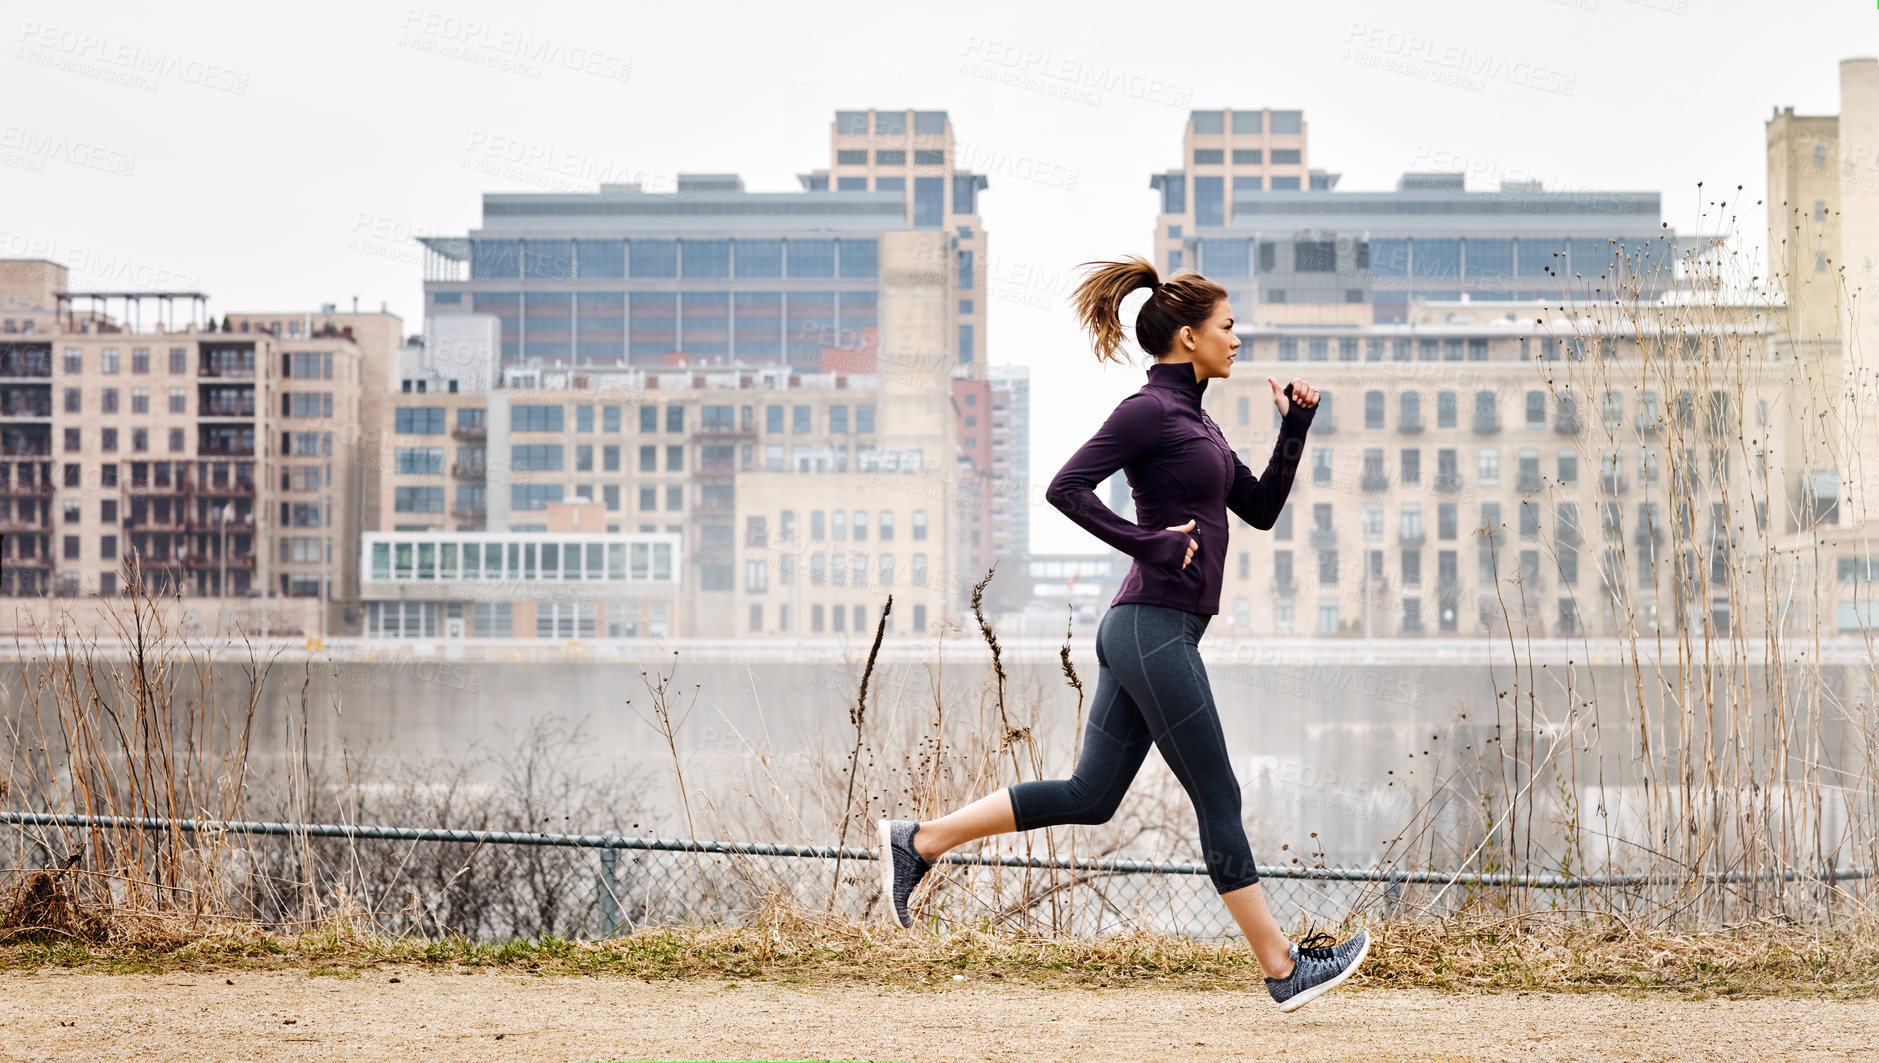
(707, 272)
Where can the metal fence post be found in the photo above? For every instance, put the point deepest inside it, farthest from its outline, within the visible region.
(1395, 894)
(609, 900)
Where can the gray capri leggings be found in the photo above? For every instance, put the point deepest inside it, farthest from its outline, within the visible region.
(1150, 689)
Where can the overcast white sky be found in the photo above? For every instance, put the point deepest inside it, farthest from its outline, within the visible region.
(278, 161)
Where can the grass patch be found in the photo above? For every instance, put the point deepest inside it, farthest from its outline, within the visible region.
(1526, 954)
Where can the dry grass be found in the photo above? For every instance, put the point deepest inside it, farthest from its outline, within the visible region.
(40, 908)
(1523, 954)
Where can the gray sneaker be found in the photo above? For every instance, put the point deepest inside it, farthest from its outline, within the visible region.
(902, 866)
(1318, 965)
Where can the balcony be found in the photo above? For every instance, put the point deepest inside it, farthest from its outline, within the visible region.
(1284, 585)
(225, 450)
(715, 505)
(1408, 538)
(1566, 425)
(1323, 537)
(220, 369)
(717, 466)
(469, 470)
(1375, 481)
(235, 487)
(147, 522)
(469, 514)
(26, 408)
(1650, 426)
(226, 410)
(724, 430)
(215, 524)
(40, 489)
(177, 486)
(1410, 425)
(30, 364)
(1568, 535)
(1612, 485)
(17, 524)
(1447, 483)
(231, 562)
(1526, 482)
(469, 433)
(1486, 425)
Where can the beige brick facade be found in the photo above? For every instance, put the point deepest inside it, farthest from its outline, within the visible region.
(1433, 432)
(227, 461)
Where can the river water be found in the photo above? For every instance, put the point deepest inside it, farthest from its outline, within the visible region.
(1322, 742)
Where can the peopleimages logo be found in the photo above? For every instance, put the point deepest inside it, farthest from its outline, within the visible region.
(460, 38)
(1448, 62)
(122, 61)
(1070, 77)
(37, 146)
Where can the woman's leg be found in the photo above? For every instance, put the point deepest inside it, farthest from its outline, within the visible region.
(1269, 944)
(1115, 741)
(1156, 656)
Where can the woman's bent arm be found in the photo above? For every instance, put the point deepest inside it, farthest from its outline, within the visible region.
(1133, 430)
(1258, 500)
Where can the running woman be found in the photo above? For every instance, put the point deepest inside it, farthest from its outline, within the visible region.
(1151, 687)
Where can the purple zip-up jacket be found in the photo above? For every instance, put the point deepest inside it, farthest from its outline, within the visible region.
(1179, 466)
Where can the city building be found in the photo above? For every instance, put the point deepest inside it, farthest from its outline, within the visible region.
(225, 458)
(1473, 470)
(1823, 244)
(1011, 461)
(709, 272)
(577, 577)
(1245, 209)
(789, 363)
(1481, 461)
(791, 502)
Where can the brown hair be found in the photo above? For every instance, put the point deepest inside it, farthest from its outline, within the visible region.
(1187, 299)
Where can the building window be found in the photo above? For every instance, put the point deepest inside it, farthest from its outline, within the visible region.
(1209, 201)
(535, 457)
(418, 499)
(416, 420)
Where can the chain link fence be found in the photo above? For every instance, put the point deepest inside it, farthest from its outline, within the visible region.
(505, 884)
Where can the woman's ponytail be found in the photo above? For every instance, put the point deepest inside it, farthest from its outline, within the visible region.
(1098, 300)
(1187, 299)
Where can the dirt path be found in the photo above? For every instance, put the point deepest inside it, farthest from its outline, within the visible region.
(480, 1016)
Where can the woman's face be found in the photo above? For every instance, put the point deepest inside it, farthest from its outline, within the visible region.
(1213, 345)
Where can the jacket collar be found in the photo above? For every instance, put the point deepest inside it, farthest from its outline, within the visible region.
(1178, 376)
